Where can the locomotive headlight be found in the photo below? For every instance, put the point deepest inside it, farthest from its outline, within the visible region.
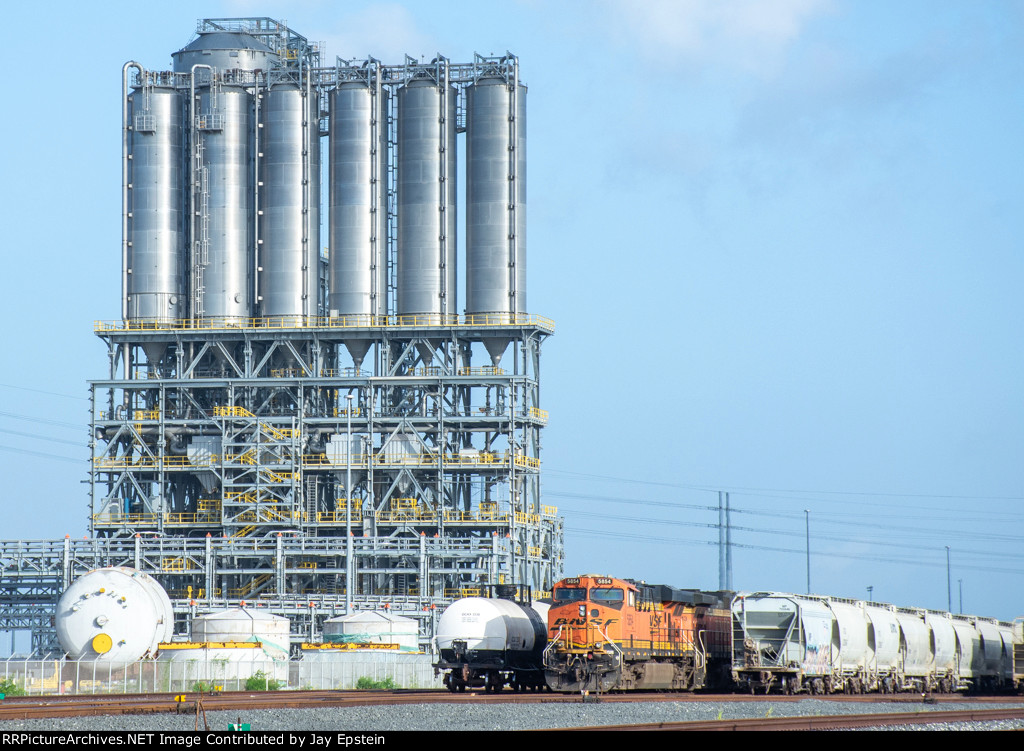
(583, 610)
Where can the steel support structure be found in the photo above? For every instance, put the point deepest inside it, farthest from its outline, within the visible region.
(223, 451)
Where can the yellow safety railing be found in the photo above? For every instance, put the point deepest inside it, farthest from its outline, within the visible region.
(538, 414)
(146, 414)
(551, 511)
(338, 322)
(487, 370)
(231, 411)
(522, 460)
(339, 412)
(175, 564)
(480, 516)
(427, 460)
(337, 517)
(251, 586)
(116, 517)
(522, 518)
(244, 531)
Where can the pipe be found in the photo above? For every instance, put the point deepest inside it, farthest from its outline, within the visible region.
(194, 301)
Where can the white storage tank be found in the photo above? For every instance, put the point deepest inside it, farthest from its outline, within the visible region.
(373, 628)
(114, 615)
(243, 624)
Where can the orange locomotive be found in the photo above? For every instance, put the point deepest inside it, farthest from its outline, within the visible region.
(606, 633)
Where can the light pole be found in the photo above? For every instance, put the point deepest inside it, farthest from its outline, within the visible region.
(961, 582)
(348, 507)
(949, 585)
(807, 522)
(870, 590)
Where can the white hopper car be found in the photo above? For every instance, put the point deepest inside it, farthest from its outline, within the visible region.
(823, 645)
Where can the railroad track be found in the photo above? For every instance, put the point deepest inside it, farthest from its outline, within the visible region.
(831, 722)
(57, 706)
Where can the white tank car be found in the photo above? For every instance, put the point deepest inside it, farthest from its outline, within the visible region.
(113, 616)
(491, 643)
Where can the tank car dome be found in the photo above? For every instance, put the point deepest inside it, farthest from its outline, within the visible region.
(224, 50)
(114, 615)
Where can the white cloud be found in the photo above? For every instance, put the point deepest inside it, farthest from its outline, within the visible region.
(751, 35)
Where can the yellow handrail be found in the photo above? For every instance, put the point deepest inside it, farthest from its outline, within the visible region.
(337, 322)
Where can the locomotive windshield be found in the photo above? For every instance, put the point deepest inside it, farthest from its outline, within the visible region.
(606, 595)
(570, 594)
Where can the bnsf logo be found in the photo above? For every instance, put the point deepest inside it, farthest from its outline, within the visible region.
(583, 621)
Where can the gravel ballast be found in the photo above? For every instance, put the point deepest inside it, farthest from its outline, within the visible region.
(448, 717)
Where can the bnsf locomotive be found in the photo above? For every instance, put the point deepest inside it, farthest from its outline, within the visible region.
(616, 634)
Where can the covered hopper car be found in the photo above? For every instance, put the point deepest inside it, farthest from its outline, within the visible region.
(805, 643)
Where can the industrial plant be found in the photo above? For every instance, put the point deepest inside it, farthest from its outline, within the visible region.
(299, 412)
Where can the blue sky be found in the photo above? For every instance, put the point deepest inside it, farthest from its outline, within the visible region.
(781, 241)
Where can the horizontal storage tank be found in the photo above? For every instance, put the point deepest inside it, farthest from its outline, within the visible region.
(244, 625)
(289, 248)
(427, 221)
(156, 201)
(113, 616)
(373, 628)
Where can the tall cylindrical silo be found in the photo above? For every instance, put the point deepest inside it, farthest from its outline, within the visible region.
(223, 201)
(156, 203)
(427, 221)
(288, 252)
(358, 199)
(495, 196)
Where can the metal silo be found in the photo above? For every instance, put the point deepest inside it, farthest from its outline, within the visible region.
(427, 197)
(224, 50)
(154, 200)
(358, 197)
(222, 230)
(288, 254)
(495, 196)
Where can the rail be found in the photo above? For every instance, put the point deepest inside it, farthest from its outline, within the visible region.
(479, 320)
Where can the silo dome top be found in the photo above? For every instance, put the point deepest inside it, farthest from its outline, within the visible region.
(224, 50)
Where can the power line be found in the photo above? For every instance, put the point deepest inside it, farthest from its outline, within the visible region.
(44, 421)
(55, 457)
(40, 391)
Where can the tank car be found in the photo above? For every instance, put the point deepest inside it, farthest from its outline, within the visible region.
(807, 643)
(490, 643)
(616, 634)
